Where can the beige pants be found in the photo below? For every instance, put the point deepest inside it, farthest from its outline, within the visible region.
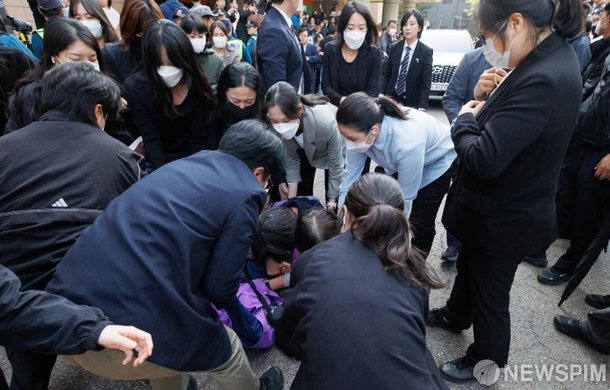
(235, 374)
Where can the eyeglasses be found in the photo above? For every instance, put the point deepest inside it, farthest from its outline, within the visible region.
(481, 34)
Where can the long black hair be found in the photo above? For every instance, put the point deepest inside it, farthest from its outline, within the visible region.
(351, 8)
(240, 74)
(94, 9)
(285, 97)
(164, 33)
(59, 34)
(376, 202)
(360, 111)
(540, 13)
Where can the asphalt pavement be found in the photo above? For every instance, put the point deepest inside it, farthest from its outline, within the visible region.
(540, 357)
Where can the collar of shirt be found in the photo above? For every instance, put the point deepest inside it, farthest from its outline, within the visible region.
(386, 128)
(286, 17)
(412, 46)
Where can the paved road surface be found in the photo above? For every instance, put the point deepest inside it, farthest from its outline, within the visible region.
(534, 340)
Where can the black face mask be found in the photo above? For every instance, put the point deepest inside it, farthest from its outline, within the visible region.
(241, 113)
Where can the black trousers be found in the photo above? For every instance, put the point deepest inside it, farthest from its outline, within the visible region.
(308, 175)
(480, 297)
(31, 370)
(597, 326)
(580, 202)
(424, 210)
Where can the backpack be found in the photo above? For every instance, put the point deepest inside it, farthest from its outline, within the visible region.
(9, 40)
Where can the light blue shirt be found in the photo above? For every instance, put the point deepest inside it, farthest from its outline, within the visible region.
(419, 149)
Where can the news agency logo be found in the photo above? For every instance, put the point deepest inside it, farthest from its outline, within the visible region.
(488, 373)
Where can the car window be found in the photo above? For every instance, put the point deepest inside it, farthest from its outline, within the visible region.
(447, 42)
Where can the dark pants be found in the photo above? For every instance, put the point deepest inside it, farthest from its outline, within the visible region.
(31, 370)
(480, 297)
(308, 175)
(597, 326)
(424, 210)
(580, 202)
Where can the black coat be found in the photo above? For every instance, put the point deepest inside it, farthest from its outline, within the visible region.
(419, 75)
(369, 71)
(121, 62)
(355, 325)
(164, 251)
(57, 177)
(278, 54)
(502, 203)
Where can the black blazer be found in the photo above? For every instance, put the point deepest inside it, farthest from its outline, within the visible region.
(419, 76)
(369, 71)
(278, 54)
(502, 202)
(337, 314)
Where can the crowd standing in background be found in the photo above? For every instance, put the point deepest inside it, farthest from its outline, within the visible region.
(171, 150)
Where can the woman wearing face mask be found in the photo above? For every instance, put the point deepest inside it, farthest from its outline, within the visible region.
(311, 139)
(407, 76)
(352, 289)
(123, 57)
(212, 64)
(510, 146)
(220, 37)
(351, 63)
(240, 95)
(66, 40)
(91, 14)
(171, 102)
(410, 144)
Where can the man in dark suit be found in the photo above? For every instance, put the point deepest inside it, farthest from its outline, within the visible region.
(387, 39)
(279, 56)
(408, 74)
(168, 249)
(313, 60)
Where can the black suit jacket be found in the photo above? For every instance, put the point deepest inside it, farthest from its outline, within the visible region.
(278, 54)
(369, 71)
(339, 303)
(419, 76)
(502, 203)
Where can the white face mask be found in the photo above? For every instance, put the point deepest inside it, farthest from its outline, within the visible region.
(358, 147)
(287, 130)
(392, 32)
(220, 42)
(354, 39)
(170, 74)
(198, 44)
(94, 25)
(495, 58)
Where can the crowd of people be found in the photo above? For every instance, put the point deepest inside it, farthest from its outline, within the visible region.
(158, 169)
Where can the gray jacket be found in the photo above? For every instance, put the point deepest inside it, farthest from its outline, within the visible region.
(323, 146)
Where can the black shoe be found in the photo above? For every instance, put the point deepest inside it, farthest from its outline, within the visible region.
(598, 301)
(540, 262)
(451, 254)
(571, 327)
(436, 318)
(272, 379)
(192, 383)
(458, 370)
(553, 277)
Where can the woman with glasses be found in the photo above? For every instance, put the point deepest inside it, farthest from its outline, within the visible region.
(510, 143)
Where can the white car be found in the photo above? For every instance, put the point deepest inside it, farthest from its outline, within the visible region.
(449, 47)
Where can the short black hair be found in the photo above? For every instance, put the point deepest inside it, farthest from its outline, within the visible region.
(390, 22)
(256, 144)
(303, 29)
(418, 16)
(74, 88)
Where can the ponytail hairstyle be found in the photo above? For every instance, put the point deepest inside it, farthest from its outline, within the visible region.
(286, 98)
(316, 226)
(360, 111)
(376, 202)
(492, 15)
(571, 14)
